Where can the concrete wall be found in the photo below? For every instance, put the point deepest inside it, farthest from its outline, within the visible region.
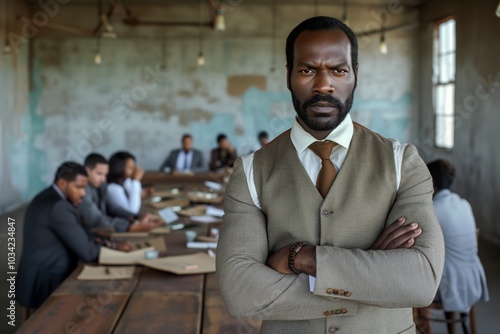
(15, 124)
(477, 100)
(129, 102)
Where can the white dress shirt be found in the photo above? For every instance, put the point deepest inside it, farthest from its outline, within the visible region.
(118, 196)
(301, 140)
(181, 163)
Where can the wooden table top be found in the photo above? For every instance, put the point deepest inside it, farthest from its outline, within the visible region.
(151, 302)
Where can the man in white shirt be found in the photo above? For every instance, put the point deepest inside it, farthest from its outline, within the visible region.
(185, 159)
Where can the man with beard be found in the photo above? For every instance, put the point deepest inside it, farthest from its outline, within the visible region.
(330, 227)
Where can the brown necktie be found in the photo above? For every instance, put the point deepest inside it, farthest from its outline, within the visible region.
(327, 173)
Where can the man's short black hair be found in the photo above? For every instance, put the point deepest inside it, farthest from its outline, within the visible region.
(443, 173)
(93, 159)
(321, 23)
(69, 170)
(262, 135)
(186, 135)
(220, 137)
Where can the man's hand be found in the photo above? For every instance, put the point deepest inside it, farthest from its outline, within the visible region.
(279, 261)
(123, 246)
(397, 235)
(147, 223)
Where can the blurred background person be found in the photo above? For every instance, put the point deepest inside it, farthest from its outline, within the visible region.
(184, 159)
(54, 240)
(124, 182)
(463, 282)
(98, 211)
(224, 155)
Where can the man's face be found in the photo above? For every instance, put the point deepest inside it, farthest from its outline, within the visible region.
(224, 144)
(322, 79)
(97, 176)
(74, 190)
(187, 144)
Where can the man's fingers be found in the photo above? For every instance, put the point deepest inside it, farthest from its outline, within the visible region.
(406, 240)
(391, 228)
(393, 236)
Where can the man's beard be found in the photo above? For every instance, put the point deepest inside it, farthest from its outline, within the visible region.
(311, 122)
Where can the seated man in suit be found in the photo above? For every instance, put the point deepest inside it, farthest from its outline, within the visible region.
(54, 240)
(185, 158)
(463, 282)
(97, 211)
(224, 155)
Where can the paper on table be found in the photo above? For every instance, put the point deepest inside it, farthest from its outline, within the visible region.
(196, 210)
(106, 273)
(213, 211)
(111, 256)
(213, 185)
(173, 202)
(201, 245)
(168, 215)
(205, 219)
(198, 263)
(158, 243)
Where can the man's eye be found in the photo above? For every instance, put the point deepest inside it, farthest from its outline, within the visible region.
(306, 71)
(339, 70)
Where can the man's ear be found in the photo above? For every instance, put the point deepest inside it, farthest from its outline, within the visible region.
(88, 170)
(356, 69)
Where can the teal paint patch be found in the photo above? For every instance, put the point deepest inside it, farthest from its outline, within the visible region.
(37, 159)
(389, 118)
(19, 160)
(266, 111)
(205, 133)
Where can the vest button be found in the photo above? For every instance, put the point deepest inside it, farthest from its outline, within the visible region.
(326, 212)
(332, 329)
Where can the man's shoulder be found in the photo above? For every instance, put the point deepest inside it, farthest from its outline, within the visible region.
(276, 143)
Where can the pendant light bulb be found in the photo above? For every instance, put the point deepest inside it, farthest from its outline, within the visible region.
(383, 45)
(497, 12)
(7, 49)
(97, 58)
(220, 22)
(201, 59)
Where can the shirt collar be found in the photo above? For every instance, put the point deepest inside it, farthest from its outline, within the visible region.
(342, 135)
(58, 191)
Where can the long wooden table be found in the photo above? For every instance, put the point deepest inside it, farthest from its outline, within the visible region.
(151, 302)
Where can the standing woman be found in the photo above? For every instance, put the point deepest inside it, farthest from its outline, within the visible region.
(124, 181)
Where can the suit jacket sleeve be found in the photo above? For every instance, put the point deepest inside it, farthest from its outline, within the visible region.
(251, 289)
(197, 164)
(392, 278)
(64, 222)
(170, 161)
(91, 217)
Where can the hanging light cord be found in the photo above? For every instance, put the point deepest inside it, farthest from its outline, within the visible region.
(7, 11)
(200, 36)
(344, 15)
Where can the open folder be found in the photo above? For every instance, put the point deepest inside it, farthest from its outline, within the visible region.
(198, 263)
(112, 256)
(93, 273)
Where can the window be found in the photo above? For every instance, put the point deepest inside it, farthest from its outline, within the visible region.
(444, 83)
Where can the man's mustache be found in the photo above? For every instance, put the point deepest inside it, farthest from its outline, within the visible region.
(323, 98)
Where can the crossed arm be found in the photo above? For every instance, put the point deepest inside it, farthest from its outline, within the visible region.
(404, 277)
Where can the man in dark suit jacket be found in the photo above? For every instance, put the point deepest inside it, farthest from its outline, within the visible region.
(224, 155)
(97, 211)
(184, 159)
(54, 241)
